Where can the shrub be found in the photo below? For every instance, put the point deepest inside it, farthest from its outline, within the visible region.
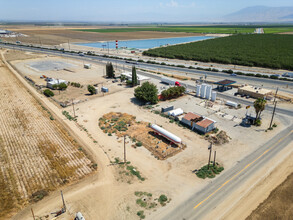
(48, 93)
(258, 122)
(138, 144)
(141, 214)
(91, 89)
(162, 199)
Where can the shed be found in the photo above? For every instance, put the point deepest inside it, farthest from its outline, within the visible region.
(176, 112)
(140, 78)
(87, 66)
(167, 108)
(225, 84)
(191, 118)
(205, 125)
(51, 82)
(104, 89)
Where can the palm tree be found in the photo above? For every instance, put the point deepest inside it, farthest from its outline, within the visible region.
(259, 106)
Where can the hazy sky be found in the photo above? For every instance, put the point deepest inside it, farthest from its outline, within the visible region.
(126, 10)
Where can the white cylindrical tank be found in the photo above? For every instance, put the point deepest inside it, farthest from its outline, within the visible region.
(203, 91)
(208, 92)
(166, 134)
(198, 87)
(214, 96)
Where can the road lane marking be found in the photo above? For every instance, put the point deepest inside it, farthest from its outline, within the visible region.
(237, 174)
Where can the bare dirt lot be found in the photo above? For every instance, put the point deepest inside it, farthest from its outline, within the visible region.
(37, 154)
(56, 36)
(279, 204)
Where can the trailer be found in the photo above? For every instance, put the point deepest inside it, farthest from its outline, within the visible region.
(233, 104)
(170, 82)
(166, 134)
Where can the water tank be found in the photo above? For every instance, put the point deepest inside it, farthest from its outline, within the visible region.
(203, 91)
(208, 92)
(198, 87)
(214, 96)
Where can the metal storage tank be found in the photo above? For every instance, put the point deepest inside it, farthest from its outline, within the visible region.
(214, 96)
(203, 91)
(208, 92)
(166, 134)
(198, 87)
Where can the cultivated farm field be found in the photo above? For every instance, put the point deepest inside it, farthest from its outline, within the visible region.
(220, 29)
(36, 154)
(265, 50)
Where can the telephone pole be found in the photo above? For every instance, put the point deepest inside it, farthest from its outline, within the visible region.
(33, 214)
(124, 150)
(210, 148)
(64, 206)
(73, 108)
(214, 159)
(275, 105)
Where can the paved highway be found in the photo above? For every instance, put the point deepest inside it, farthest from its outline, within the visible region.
(100, 59)
(241, 79)
(201, 203)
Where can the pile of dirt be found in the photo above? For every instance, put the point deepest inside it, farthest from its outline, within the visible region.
(219, 138)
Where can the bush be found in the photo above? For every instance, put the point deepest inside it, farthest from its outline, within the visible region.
(258, 122)
(48, 93)
(162, 199)
(141, 214)
(62, 86)
(138, 144)
(91, 89)
(173, 92)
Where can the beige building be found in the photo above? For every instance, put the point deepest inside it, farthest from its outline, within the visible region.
(254, 92)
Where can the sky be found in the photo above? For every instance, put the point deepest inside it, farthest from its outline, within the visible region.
(126, 10)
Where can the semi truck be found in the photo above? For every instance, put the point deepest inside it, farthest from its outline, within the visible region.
(170, 82)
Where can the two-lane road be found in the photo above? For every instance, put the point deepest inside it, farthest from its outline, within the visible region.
(201, 203)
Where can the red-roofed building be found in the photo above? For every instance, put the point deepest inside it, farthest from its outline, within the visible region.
(191, 118)
(204, 126)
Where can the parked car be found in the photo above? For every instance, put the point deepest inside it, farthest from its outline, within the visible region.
(233, 74)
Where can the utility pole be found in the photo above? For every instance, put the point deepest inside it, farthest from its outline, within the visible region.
(214, 159)
(275, 105)
(33, 214)
(124, 150)
(273, 114)
(210, 148)
(58, 86)
(73, 108)
(68, 45)
(64, 206)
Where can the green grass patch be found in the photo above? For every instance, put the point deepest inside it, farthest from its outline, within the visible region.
(204, 172)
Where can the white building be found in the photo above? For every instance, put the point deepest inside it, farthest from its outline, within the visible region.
(51, 82)
(140, 78)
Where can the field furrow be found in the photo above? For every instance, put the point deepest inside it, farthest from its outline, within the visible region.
(36, 153)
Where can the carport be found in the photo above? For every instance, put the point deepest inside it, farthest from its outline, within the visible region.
(225, 84)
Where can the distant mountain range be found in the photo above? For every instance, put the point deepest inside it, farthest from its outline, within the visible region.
(261, 14)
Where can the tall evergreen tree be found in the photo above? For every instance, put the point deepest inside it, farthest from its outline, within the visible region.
(134, 77)
(110, 70)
